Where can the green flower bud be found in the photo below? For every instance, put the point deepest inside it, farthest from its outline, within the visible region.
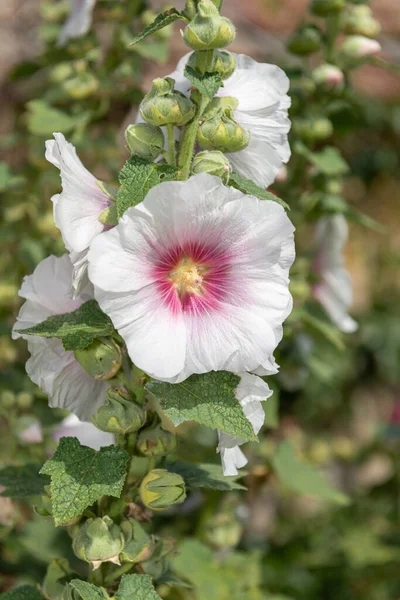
(24, 399)
(155, 440)
(81, 86)
(119, 414)
(305, 41)
(208, 30)
(139, 546)
(313, 129)
(328, 77)
(7, 399)
(99, 540)
(159, 562)
(145, 140)
(323, 8)
(160, 489)
(223, 531)
(224, 63)
(163, 105)
(357, 48)
(213, 162)
(219, 130)
(61, 72)
(102, 359)
(358, 20)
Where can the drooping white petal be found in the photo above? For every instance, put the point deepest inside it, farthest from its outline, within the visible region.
(52, 368)
(79, 20)
(87, 433)
(250, 392)
(334, 289)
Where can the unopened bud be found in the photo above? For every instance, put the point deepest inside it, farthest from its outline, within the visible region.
(161, 489)
(119, 414)
(7, 399)
(208, 30)
(219, 130)
(306, 41)
(213, 162)
(99, 540)
(61, 72)
(81, 86)
(145, 140)
(223, 530)
(155, 440)
(356, 48)
(313, 130)
(224, 63)
(359, 20)
(102, 359)
(328, 77)
(163, 105)
(160, 561)
(139, 546)
(24, 399)
(324, 8)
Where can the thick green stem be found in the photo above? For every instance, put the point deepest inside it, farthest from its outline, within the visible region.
(171, 145)
(119, 572)
(96, 576)
(332, 31)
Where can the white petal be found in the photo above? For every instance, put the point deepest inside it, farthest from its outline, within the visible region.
(87, 433)
(79, 20)
(232, 459)
(259, 162)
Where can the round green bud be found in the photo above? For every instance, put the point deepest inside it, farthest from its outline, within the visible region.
(7, 399)
(161, 489)
(219, 130)
(358, 20)
(324, 8)
(305, 41)
(145, 140)
(61, 72)
(357, 48)
(81, 86)
(224, 63)
(165, 106)
(213, 162)
(328, 77)
(160, 561)
(208, 30)
(313, 129)
(24, 399)
(223, 531)
(119, 414)
(102, 359)
(155, 440)
(99, 540)
(139, 546)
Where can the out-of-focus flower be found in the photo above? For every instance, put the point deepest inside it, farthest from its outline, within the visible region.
(50, 366)
(334, 289)
(78, 208)
(358, 47)
(87, 433)
(79, 20)
(198, 273)
(250, 392)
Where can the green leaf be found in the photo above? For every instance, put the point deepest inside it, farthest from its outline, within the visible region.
(208, 399)
(271, 410)
(249, 187)
(325, 329)
(5, 176)
(24, 592)
(43, 119)
(136, 587)
(22, 481)
(207, 84)
(161, 21)
(137, 177)
(77, 329)
(302, 477)
(80, 476)
(57, 576)
(156, 50)
(205, 476)
(88, 591)
(328, 161)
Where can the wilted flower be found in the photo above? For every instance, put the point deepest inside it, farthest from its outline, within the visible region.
(334, 289)
(250, 392)
(195, 278)
(50, 366)
(78, 208)
(79, 20)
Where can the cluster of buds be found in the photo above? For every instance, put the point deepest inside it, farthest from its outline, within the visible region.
(163, 105)
(208, 30)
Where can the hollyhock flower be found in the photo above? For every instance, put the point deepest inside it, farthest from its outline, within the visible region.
(50, 366)
(195, 278)
(250, 392)
(79, 20)
(78, 207)
(87, 433)
(261, 90)
(334, 290)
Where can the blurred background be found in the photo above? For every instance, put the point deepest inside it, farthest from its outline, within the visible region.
(337, 397)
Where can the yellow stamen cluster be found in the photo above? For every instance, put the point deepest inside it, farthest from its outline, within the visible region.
(187, 277)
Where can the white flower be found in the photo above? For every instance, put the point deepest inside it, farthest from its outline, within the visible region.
(87, 433)
(250, 392)
(195, 278)
(334, 290)
(77, 208)
(261, 90)
(50, 366)
(79, 20)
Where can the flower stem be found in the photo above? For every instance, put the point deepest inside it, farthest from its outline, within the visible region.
(118, 572)
(96, 576)
(171, 145)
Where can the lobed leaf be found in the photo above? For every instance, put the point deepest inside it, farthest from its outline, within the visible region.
(88, 591)
(163, 20)
(80, 476)
(138, 587)
(249, 187)
(22, 481)
(208, 399)
(206, 476)
(329, 160)
(207, 84)
(77, 329)
(24, 592)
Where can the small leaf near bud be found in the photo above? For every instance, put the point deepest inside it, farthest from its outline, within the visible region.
(102, 359)
(161, 489)
(306, 41)
(139, 546)
(165, 106)
(324, 8)
(99, 540)
(145, 140)
(119, 414)
(208, 30)
(213, 162)
(154, 440)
